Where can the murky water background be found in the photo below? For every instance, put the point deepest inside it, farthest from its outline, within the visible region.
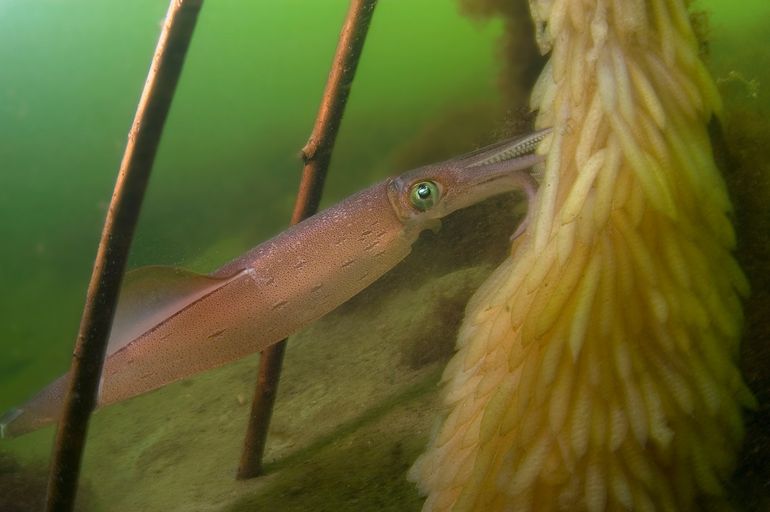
(228, 166)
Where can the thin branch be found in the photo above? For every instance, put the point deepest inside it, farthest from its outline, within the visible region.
(316, 155)
(111, 256)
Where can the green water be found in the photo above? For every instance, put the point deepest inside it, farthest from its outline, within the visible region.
(227, 168)
(228, 165)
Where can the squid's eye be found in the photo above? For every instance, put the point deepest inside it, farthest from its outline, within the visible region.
(423, 195)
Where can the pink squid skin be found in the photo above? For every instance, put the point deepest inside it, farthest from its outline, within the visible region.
(289, 281)
(279, 287)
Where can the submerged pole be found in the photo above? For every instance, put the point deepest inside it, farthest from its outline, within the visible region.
(316, 154)
(111, 256)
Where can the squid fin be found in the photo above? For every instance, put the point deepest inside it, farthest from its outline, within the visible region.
(151, 294)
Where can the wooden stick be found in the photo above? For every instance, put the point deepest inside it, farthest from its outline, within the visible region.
(316, 155)
(111, 256)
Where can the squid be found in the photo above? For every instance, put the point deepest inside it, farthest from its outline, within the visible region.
(171, 323)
